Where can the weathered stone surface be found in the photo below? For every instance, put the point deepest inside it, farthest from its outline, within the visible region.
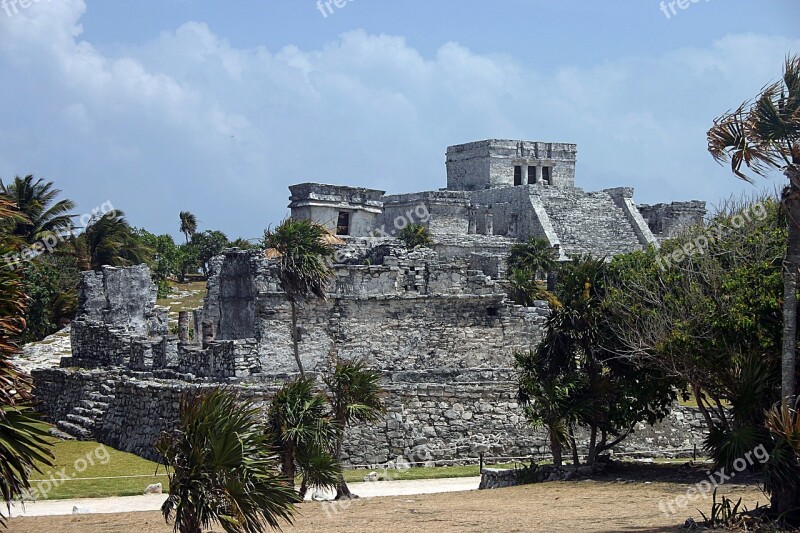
(437, 323)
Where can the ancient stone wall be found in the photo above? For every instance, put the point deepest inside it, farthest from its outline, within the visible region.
(441, 418)
(488, 164)
(667, 220)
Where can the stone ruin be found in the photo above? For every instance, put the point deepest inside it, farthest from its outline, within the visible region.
(437, 323)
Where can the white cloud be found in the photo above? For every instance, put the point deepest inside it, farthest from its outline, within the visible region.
(188, 121)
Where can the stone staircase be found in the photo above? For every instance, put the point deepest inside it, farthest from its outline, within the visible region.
(85, 418)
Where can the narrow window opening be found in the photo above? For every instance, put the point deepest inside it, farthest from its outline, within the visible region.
(492, 311)
(343, 225)
(517, 175)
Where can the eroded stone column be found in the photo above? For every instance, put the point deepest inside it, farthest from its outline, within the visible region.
(183, 326)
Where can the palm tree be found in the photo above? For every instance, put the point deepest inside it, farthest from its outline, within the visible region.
(24, 443)
(534, 256)
(109, 240)
(355, 395)
(303, 255)
(301, 427)
(527, 262)
(35, 200)
(548, 400)
(188, 224)
(221, 467)
(415, 235)
(764, 135)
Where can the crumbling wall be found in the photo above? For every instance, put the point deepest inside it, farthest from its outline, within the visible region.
(667, 220)
(443, 417)
(116, 310)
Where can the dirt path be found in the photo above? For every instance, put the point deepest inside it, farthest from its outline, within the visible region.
(592, 506)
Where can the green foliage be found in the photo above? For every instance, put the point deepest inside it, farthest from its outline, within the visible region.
(415, 235)
(577, 377)
(165, 259)
(188, 261)
(243, 244)
(221, 467)
(529, 263)
(164, 289)
(303, 255)
(354, 393)
(24, 440)
(188, 224)
(302, 428)
(713, 319)
(51, 283)
(723, 514)
(208, 244)
(535, 256)
(43, 216)
(110, 240)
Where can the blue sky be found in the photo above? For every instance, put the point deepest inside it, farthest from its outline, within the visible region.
(217, 107)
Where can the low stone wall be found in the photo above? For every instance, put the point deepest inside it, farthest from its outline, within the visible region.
(497, 478)
(425, 421)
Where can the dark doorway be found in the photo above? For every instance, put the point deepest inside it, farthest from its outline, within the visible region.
(517, 175)
(531, 175)
(546, 175)
(343, 225)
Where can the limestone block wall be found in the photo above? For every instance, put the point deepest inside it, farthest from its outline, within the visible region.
(121, 296)
(667, 220)
(488, 164)
(444, 212)
(436, 420)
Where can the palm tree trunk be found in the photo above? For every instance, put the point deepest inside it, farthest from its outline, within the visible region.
(342, 491)
(295, 340)
(791, 201)
(555, 448)
(576, 460)
(592, 446)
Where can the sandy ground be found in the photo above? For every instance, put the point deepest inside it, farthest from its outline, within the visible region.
(153, 502)
(593, 506)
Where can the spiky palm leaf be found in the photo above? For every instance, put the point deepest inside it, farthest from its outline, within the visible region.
(188, 224)
(303, 257)
(303, 254)
(301, 426)
(23, 437)
(535, 256)
(36, 200)
(221, 467)
(355, 395)
(109, 240)
(415, 235)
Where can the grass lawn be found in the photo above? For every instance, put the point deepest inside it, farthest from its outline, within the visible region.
(76, 461)
(177, 301)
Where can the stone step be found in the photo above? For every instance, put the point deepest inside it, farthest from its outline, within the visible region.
(77, 432)
(98, 397)
(57, 433)
(78, 420)
(91, 404)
